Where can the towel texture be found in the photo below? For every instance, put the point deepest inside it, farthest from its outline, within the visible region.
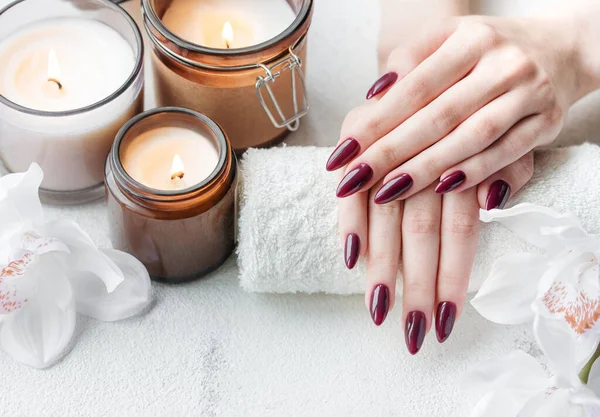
(288, 239)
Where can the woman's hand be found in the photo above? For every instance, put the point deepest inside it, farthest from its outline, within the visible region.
(435, 236)
(466, 100)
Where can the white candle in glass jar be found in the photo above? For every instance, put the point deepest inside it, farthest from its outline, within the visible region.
(228, 23)
(70, 83)
(169, 158)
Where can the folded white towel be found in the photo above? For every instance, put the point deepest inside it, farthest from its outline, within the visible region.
(288, 239)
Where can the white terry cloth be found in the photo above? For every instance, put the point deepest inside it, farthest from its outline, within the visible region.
(288, 239)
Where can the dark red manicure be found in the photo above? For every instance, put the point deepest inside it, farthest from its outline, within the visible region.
(414, 331)
(444, 320)
(498, 195)
(354, 180)
(351, 250)
(382, 83)
(344, 153)
(450, 182)
(380, 303)
(392, 189)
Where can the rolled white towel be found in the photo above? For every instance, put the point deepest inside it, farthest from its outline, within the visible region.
(288, 240)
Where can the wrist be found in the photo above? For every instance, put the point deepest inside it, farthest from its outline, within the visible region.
(583, 56)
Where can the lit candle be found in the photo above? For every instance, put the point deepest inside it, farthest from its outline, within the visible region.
(228, 24)
(169, 158)
(67, 84)
(170, 178)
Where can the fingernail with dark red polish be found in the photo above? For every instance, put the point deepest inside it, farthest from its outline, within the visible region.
(382, 83)
(380, 303)
(498, 195)
(354, 180)
(414, 331)
(392, 189)
(344, 153)
(351, 250)
(450, 182)
(444, 320)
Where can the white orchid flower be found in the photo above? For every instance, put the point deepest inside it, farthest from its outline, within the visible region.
(49, 270)
(562, 284)
(518, 386)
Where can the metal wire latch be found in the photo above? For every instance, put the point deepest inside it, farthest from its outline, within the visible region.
(294, 64)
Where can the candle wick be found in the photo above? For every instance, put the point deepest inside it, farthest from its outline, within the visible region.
(178, 174)
(54, 80)
(227, 43)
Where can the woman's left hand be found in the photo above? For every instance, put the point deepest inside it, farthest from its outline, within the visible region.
(468, 99)
(434, 238)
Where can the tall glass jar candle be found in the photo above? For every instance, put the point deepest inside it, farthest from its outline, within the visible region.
(171, 179)
(238, 61)
(71, 74)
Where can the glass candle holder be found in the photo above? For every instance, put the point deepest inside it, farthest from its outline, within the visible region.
(71, 74)
(181, 231)
(257, 92)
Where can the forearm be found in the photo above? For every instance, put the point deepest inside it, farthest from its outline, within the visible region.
(586, 19)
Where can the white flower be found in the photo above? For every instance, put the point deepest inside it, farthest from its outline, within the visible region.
(517, 385)
(561, 285)
(50, 270)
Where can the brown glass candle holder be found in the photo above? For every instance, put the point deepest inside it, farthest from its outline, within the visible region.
(257, 93)
(178, 235)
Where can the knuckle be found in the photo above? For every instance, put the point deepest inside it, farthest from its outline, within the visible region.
(421, 222)
(483, 166)
(391, 209)
(524, 167)
(445, 119)
(390, 156)
(384, 259)
(485, 36)
(462, 225)
(373, 125)
(522, 66)
(418, 287)
(418, 90)
(486, 131)
(454, 283)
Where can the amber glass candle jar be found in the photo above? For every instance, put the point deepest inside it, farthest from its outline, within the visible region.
(256, 93)
(182, 233)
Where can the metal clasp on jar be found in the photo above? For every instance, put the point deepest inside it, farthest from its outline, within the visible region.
(292, 63)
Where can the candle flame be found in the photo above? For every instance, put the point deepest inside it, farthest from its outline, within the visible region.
(53, 68)
(227, 34)
(177, 169)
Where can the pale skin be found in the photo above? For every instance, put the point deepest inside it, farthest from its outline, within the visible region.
(470, 98)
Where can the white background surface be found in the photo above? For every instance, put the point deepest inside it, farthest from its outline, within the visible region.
(207, 348)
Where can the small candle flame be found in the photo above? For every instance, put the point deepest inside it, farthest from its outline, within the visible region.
(227, 34)
(53, 68)
(177, 169)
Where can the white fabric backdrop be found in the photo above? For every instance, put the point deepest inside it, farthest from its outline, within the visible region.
(207, 348)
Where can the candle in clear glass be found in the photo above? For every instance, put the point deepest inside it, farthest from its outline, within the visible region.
(200, 62)
(70, 77)
(171, 178)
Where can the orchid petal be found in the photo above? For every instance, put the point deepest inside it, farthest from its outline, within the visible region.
(19, 197)
(507, 294)
(128, 299)
(537, 225)
(501, 387)
(84, 256)
(38, 334)
(565, 355)
(553, 403)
